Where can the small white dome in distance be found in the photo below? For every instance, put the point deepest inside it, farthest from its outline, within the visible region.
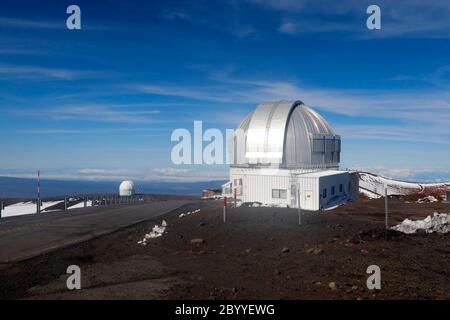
(126, 188)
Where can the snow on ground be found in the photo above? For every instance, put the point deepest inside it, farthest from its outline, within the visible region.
(156, 232)
(182, 215)
(372, 185)
(23, 208)
(20, 208)
(427, 199)
(81, 205)
(369, 194)
(260, 205)
(439, 222)
(48, 204)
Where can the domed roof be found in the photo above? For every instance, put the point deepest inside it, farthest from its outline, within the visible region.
(126, 188)
(287, 134)
(127, 185)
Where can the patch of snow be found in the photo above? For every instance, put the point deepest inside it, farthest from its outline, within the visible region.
(81, 205)
(369, 194)
(156, 232)
(182, 215)
(24, 208)
(262, 205)
(427, 199)
(49, 204)
(439, 222)
(17, 209)
(375, 184)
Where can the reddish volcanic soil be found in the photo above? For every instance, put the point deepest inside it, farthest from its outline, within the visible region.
(259, 253)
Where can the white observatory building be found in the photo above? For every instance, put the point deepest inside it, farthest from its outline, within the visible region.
(286, 154)
(126, 188)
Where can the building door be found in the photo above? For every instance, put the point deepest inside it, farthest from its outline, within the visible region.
(308, 199)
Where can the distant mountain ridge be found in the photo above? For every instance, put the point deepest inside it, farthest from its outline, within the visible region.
(372, 185)
(369, 183)
(26, 188)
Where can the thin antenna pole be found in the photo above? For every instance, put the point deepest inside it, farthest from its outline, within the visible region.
(38, 192)
(386, 209)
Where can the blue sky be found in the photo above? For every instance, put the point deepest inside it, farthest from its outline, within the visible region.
(102, 102)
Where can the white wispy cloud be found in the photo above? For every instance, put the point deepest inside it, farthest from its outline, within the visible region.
(89, 131)
(170, 171)
(172, 174)
(101, 113)
(92, 113)
(401, 18)
(424, 115)
(289, 27)
(104, 172)
(348, 102)
(21, 51)
(8, 72)
(119, 174)
(403, 132)
(17, 22)
(213, 18)
(27, 23)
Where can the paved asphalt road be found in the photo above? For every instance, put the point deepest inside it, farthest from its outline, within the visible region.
(28, 236)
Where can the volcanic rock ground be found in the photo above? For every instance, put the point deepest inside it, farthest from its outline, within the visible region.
(259, 253)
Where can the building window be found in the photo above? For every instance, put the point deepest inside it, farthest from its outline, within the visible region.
(279, 193)
(341, 188)
(332, 190)
(275, 193)
(324, 193)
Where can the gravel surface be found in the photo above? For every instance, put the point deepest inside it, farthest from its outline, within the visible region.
(260, 253)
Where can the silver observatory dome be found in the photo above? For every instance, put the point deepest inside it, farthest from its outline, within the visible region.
(285, 134)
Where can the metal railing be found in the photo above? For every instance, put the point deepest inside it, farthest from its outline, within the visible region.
(73, 202)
